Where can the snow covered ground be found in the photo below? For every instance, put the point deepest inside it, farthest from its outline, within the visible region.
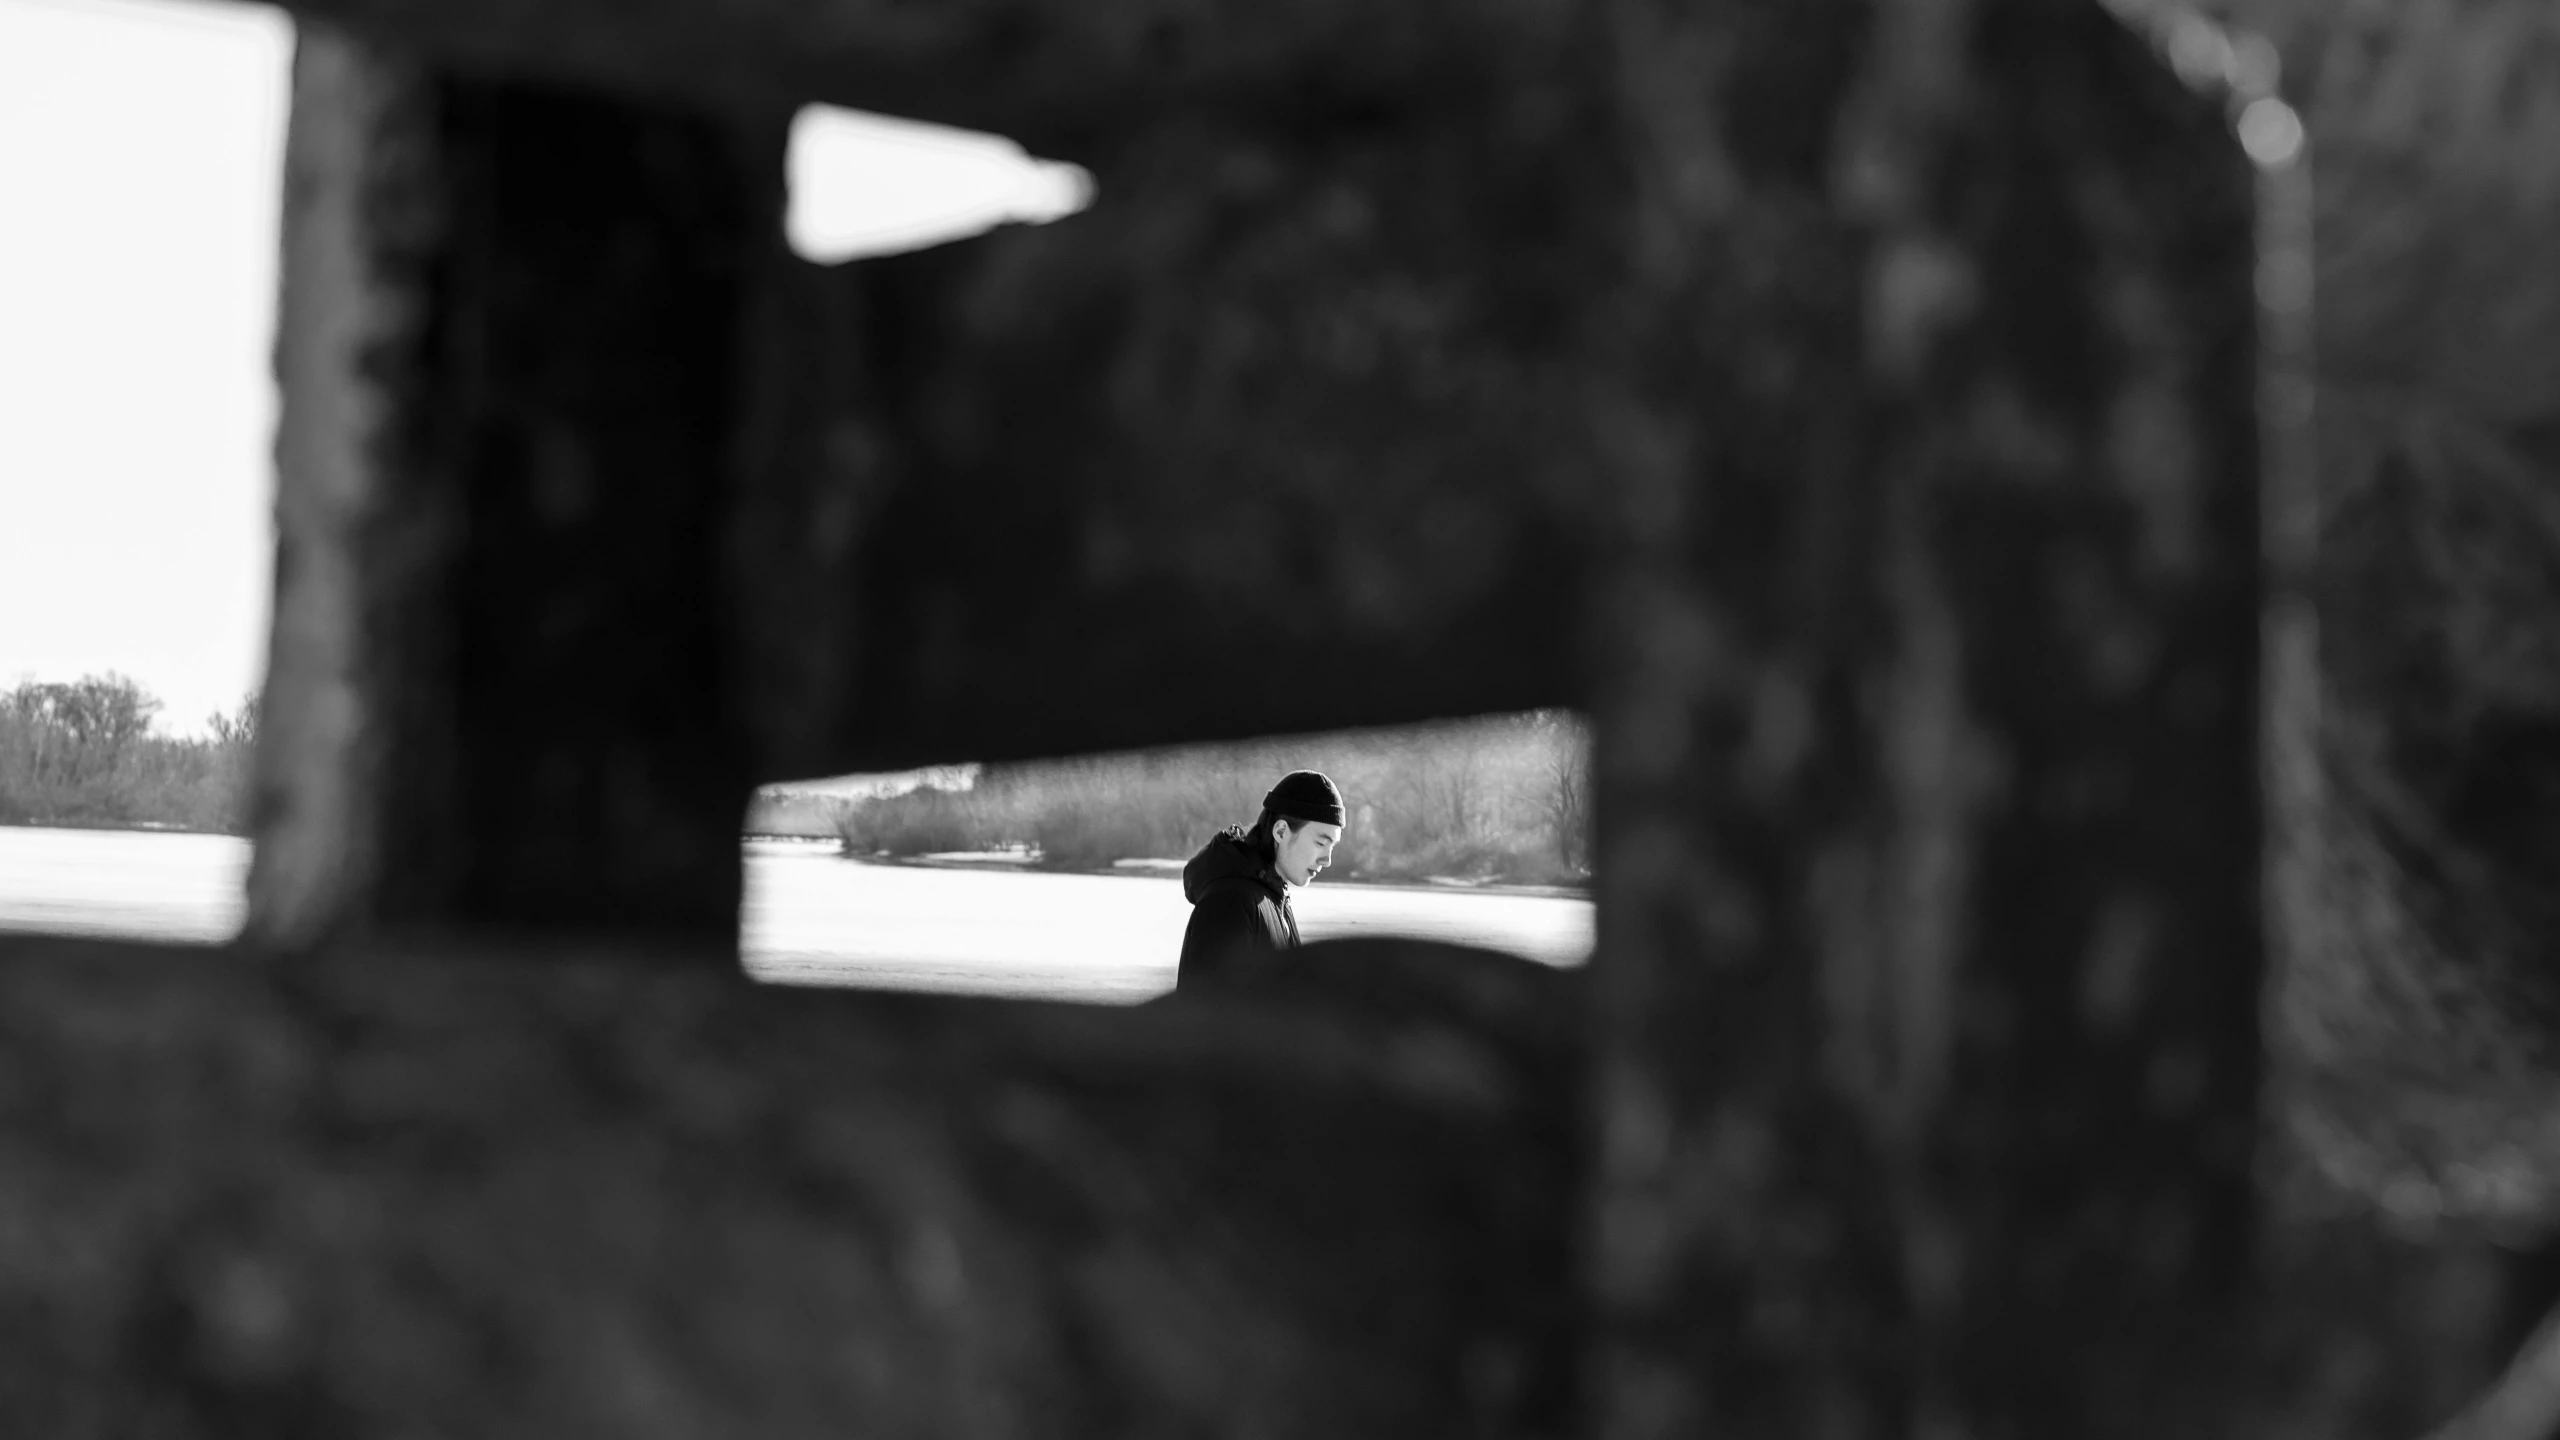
(813, 918)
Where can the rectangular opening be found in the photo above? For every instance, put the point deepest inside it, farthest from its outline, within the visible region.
(1063, 879)
(142, 150)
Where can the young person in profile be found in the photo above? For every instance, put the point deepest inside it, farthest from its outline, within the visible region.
(1239, 883)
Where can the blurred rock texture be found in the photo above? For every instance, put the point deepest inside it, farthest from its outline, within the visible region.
(490, 1193)
(1305, 401)
(509, 334)
(1850, 406)
(1928, 1006)
(2422, 994)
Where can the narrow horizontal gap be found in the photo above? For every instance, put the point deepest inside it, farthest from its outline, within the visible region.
(864, 184)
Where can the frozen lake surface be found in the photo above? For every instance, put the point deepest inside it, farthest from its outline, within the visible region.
(813, 918)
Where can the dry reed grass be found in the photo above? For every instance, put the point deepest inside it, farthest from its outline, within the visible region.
(1495, 799)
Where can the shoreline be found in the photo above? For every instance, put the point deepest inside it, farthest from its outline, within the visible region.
(1172, 869)
(137, 827)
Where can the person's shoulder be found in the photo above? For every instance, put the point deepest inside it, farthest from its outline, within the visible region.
(1233, 892)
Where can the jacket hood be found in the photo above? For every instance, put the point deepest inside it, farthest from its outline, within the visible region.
(1226, 857)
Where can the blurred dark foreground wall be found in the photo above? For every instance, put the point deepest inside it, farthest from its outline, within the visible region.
(1849, 408)
(2421, 982)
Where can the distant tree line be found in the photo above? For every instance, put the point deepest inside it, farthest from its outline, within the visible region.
(1503, 798)
(84, 753)
(1498, 799)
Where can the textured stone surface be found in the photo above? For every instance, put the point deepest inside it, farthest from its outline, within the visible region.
(512, 333)
(353, 531)
(1288, 433)
(2411, 1042)
(1054, 74)
(1928, 953)
(433, 1191)
(1849, 403)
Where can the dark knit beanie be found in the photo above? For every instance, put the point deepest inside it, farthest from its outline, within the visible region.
(1305, 795)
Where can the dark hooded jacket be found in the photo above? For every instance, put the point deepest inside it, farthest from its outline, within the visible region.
(1240, 918)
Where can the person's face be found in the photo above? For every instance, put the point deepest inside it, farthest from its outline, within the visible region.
(1304, 847)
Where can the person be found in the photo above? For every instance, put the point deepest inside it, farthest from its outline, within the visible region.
(1239, 883)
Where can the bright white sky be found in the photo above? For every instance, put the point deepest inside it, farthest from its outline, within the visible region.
(141, 153)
